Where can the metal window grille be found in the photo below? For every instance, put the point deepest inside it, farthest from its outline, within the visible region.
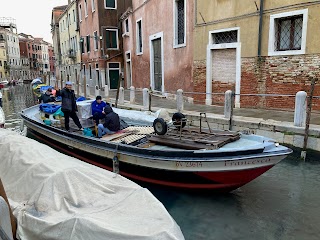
(288, 33)
(225, 37)
(180, 21)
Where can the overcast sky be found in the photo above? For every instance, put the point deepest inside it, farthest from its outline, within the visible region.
(32, 16)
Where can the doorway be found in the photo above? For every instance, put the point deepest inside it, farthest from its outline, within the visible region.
(114, 72)
(156, 60)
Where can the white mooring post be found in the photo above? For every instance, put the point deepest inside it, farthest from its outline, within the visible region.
(228, 104)
(146, 99)
(106, 91)
(300, 109)
(96, 91)
(121, 95)
(180, 100)
(132, 95)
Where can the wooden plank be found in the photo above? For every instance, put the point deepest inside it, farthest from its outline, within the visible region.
(184, 144)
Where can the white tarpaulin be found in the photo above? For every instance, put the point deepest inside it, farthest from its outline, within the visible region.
(55, 196)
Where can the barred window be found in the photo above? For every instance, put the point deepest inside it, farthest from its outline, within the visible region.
(225, 37)
(288, 33)
(180, 18)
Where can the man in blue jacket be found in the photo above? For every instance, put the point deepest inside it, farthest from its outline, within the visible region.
(97, 109)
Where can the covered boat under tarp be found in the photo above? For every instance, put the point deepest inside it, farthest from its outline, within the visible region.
(55, 196)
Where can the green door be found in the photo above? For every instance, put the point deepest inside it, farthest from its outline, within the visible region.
(114, 78)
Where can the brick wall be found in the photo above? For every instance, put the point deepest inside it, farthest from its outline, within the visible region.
(278, 75)
(268, 75)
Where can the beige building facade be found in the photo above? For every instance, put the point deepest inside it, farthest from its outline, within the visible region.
(3, 58)
(69, 37)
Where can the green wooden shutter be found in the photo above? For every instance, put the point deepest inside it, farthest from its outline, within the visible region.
(108, 39)
(114, 39)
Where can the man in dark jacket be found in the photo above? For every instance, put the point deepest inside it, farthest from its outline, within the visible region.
(69, 106)
(47, 96)
(111, 124)
(97, 109)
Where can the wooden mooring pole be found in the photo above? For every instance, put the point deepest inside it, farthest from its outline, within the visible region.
(309, 107)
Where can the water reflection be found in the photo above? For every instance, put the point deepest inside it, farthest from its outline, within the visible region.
(14, 100)
(282, 204)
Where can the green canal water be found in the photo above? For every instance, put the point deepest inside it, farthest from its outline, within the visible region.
(282, 204)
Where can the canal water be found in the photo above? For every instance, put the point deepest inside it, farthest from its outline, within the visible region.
(283, 203)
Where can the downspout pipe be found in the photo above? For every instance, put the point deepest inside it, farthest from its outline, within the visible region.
(260, 28)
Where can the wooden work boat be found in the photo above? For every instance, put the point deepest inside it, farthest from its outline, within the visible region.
(185, 159)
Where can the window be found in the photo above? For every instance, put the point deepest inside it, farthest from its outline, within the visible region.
(80, 14)
(88, 43)
(126, 25)
(86, 8)
(179, 22)
(224, 37)
(139, 37)
(93, 6)
(110, 4)
(90, 72)
(287, 33)
(74, 16)
(112, 38)
(95, 34)
(82, 45)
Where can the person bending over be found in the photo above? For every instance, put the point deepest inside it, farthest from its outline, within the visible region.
(97, 109)
(111, 124)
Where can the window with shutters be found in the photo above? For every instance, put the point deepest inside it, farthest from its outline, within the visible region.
(112, 39)
(287, 33)
(110, 4)
(139, 46)
(179, 23)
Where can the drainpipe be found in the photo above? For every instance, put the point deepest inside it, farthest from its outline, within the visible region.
(260, 28)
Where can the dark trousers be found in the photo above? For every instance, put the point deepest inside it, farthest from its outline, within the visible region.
(97, 116)
(0, 102)
(74, 117)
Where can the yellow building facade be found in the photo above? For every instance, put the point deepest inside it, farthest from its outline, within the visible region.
(3, 58)
(256, 47)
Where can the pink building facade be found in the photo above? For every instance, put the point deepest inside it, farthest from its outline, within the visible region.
(158, 45)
